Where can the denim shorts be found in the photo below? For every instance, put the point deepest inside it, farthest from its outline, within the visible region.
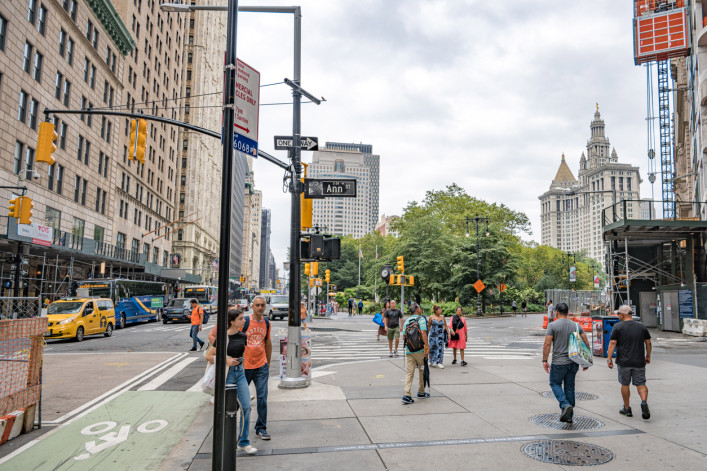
(628, 374)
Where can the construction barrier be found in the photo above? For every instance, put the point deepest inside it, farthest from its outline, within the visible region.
(585, 322)
(695, 327)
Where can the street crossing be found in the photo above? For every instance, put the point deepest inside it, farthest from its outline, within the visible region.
(354, 346)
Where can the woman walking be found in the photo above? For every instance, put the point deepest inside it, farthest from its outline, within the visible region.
(437, 330)
(381, 328)
(236, 375)
(458, 331)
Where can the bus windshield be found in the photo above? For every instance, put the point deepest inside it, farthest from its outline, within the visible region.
(69, 307)
(203, 294)
(101, 290)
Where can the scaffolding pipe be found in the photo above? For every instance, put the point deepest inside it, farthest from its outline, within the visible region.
(628, 282)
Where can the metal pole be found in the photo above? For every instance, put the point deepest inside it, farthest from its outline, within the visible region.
(628, 284)
(478, 267)
(293, 377)
(229, 86)
(18, 268)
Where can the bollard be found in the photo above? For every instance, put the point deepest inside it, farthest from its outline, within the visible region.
(230, 436)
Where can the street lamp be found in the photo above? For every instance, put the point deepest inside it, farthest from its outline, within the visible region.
(476, 220)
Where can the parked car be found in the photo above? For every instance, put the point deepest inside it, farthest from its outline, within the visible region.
(78, 317)
(177, 309)
(278, 306)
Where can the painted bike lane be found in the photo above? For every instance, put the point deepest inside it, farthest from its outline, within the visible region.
(136, 430)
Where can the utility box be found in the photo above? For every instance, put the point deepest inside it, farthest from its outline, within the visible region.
(601, 334)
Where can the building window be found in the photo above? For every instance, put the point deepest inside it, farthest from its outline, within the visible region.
(37, 68)
(42, 19)
(78, 227)
(92, 77)
(22, 107)
(3, 32)
(50, 177)
(58, 82)
(19, 150)
(32, 11)
(120, 240)
(52, 218)
(77, 188)
(62, 42)
(27, 57)
(59, 178)
(62, 135)
(70, 51)
(135, 246)
(83, 192)
(87, 152)
(628, 183)
(67, 92)
(98, 233)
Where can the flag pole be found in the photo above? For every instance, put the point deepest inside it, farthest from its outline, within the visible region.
(360, 255)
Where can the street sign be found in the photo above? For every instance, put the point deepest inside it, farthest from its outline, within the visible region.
(596, 281)
(332, 287)
(287, 142)
(245, 124)
(327, 188)
(502, 287)
(479, 286)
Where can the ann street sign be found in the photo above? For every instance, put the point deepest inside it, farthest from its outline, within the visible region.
(328, 188)
(287, 142)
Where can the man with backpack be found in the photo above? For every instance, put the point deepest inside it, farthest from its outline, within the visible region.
(197, 319)
(416, 350)
(563, 369)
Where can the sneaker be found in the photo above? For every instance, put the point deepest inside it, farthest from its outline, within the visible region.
(566, 413)
(408, 400)
(193, 349)
(395, 353)
(201, 346)
(626, 411)
(423, 395)
(250, 450)
(441, 366)
(463, 363)
(391, 355)
(264, 435)
(645, 412)
(454, 362)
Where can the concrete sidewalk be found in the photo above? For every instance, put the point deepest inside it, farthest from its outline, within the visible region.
(352, 418)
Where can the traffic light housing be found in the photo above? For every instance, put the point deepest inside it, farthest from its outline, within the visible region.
(311, 282)
(133, 139)
(242, 279)
(45, 143)
(306, 211)
(15, 207)
(315, 268)
(26, 206)
(401, 263)
(327, 275)
(412, 280)
(141, 140)
(307, 270)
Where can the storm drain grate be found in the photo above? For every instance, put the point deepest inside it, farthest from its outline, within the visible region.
(568, 453)
(579, 422)
(580, 396)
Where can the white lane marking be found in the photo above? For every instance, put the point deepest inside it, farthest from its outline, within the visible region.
(109, 396)
(167, 375)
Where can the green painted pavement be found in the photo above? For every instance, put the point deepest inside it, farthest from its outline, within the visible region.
(136, 430)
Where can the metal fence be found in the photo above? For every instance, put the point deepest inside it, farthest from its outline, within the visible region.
(20, 308)
(581, 303)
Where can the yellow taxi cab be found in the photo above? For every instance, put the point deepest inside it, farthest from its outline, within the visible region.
(78, 317)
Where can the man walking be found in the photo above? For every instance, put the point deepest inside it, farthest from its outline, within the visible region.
(550, 310)
(391, 321)
(563, 370)
(628, 337)
(257, 361)
(197, 320)
(416, 350)
(351, 303)
(524, 308)
(360, 307)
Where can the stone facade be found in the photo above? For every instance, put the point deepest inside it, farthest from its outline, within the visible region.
(74, 59)
(383, 226)
(571, 211)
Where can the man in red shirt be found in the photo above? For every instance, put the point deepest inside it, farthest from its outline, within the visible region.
(197, 319)
(256, 363)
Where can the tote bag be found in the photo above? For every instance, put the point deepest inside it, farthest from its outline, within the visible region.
(378, 319)
(208, 382)
(578, 350)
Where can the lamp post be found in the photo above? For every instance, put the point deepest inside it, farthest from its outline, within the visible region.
(476, 220)
(569, 266)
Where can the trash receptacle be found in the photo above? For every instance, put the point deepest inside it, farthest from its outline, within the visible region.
(601, 334)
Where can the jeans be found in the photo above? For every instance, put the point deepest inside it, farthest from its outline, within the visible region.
(563, 374)
(194, 334)
(260, 376)
(236, 375)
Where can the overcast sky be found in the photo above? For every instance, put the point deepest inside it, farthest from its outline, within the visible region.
(485, 94)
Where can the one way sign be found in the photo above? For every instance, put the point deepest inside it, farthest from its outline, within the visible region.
(306, 143)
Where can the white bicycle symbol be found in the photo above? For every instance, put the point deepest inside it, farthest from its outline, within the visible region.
(113, 438)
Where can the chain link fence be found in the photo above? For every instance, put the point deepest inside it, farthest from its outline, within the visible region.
(20, 308)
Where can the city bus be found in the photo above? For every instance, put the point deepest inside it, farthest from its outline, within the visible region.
(207, 297)
(135, 301)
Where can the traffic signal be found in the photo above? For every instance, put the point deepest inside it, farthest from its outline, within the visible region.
(26, 206)
(401, 263)
(45, 143)
(315, 268)
(141, 140)
(412, 280)
(327, 275)
(311, 282)
(242, 279)
(307, 270)
(133, 138)
(306, 208)
(15, 207)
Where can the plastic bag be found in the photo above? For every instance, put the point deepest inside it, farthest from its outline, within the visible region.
(208, 382)
(578, 351)
(378, 319)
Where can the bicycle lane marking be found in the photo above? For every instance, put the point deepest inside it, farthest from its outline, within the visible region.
(136, 430)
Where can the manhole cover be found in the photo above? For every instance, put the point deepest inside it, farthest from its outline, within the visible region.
(579, 422)
(580, 396)
(567, 453)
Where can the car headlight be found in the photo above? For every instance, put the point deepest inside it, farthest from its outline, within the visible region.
(66, 321)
